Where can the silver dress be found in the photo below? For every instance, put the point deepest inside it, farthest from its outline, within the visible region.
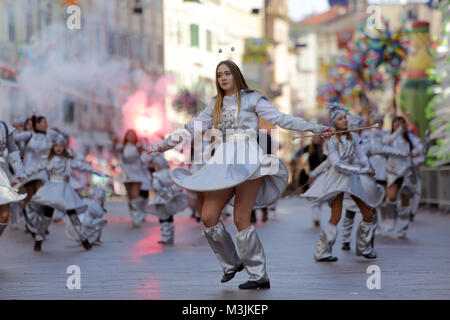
(238, 157)
(91, 220)
(403, 166)
(9, 155)
(168, 199)
(132, 163)
(344, 171)
(57, 193)
(376, 151)
(36, 150)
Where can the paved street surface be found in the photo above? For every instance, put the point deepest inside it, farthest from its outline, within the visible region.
(131, 265)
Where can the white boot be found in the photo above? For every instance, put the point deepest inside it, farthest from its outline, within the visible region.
(324, 246)
(136, 212)
(363, 240)
(253, 257)
(403, 221)
(347, 227)
(221, 243)
(167, 233)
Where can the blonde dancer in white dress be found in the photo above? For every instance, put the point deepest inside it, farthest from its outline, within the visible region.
(237, 172)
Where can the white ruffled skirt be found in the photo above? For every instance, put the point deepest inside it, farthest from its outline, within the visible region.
(330, 184)
(7, 194)
(58, 195)
(235, 161)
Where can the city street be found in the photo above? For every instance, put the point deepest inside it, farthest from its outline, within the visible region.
(129, 264)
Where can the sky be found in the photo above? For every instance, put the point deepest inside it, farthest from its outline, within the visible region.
(298, 9)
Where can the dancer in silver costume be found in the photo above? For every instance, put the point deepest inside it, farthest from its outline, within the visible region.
(37, 144)
(370, 148)
(7, 194)
(245, 183)
(16, 215)
(346, 171)
(91, 220)
(168, 199)
(401, 176)
(134, 174)
(417, 162)
(57, 194)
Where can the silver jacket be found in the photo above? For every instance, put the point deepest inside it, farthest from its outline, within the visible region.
(253, 107)
(169, 199)
(378, 152)
(344, 171)
(36, 150)
(60, 168)
(57, 192)
(347, 157)
(133, 164)
(399, 166)
(7, 143)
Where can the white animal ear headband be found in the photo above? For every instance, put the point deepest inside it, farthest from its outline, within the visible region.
(232, 49)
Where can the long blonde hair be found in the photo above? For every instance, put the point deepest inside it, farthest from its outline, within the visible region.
(240, 82)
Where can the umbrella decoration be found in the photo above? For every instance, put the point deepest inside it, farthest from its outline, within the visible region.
(185, 101)
(350, 76)
(389, 48)
(358, 71)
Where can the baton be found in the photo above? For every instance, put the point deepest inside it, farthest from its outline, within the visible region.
(343, 131)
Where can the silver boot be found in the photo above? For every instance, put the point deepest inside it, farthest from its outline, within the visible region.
(136, 212)
(42, 225)
(324, 246)
(403, 221)
(221, 243)
(32, 219)
(364, 239)
(2, 227)
(78, 226)
(347, 227)
(167, 232)
(252, 255)
(388, 216)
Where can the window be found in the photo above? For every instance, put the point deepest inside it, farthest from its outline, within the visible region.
(149, 50)
(209, 40)
(69, 111)
(111, 43)
(11, 25)
(29, 25)
(194, 35)
(412, 14)
(48, 13)
(179, 33)
(161, 53)
(124, 45)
